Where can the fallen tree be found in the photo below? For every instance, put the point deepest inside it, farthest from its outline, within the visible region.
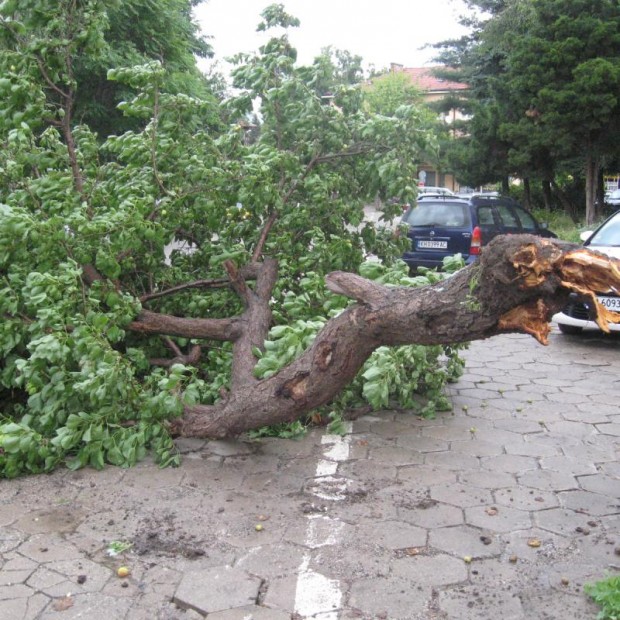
(197, 276)
(518, 284)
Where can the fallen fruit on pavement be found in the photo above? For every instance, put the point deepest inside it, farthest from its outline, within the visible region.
(533, 542)
(258, 527)
(467, 559)
(123, 571)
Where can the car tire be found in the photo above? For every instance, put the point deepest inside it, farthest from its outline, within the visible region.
(570, 330)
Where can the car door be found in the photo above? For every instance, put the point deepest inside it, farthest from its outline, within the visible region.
(488, 222)
(510, 224)
(528, 223)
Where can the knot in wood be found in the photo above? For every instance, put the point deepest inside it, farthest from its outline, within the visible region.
(324, 355)
(294, 388)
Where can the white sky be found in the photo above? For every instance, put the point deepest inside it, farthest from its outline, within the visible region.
(381, 31)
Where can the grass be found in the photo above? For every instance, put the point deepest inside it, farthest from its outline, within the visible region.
(562, 225)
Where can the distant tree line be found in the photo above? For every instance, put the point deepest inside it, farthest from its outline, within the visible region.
(544, 99)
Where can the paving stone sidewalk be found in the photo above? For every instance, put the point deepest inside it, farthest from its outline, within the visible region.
(503, 508)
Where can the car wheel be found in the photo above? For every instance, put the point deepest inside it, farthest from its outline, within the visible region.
(570, 330)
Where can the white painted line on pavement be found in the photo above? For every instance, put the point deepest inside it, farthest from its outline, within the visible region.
(317, 596)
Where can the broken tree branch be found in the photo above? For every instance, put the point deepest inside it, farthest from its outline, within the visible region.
(519, 282)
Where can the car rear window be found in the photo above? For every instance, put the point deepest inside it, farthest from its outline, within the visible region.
(438, 214)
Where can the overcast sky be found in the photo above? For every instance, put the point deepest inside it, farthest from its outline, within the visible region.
(381, 31)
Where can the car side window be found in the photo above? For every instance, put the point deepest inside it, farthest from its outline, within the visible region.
(485, 216)
(527, 221)
(509, 219)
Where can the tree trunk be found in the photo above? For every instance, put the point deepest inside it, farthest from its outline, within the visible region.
(591, 173)
(568, 206)
(518, 284)
(547, 194)
(527, 193)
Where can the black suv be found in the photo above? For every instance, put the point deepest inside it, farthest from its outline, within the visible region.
(441, 226)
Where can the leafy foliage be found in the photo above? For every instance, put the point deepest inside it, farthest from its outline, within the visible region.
(544, 80)
(92, 233)
(606, 593)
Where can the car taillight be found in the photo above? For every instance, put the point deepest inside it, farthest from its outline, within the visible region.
(476, 241)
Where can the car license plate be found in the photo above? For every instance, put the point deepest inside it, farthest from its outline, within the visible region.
(611, 303)
(436, 245)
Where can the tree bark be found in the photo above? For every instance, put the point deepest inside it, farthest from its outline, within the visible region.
(591, 174)
(519, 282)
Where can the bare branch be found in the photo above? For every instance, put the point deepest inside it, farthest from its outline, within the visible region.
(273, 216)
(215, 329)
(248, 272)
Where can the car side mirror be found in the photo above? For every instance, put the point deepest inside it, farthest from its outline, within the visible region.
(585, 235)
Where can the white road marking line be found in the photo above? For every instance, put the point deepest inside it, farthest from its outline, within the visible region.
(317, 596)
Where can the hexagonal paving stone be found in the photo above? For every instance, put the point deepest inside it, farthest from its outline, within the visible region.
(392, 534)
(432, 515)
(424, 475)
(598, 483)
(477, 447)
(517, 425)
(252, 612)
(568, 465)
(487, 479)
(509, 463)
(470, 603)
(452, 460)
(526, 499)
(367, 470)
(562, 521)
(271, 561)
(392, 597)
(94, 606)
(422, 444)
(464, 540)
(430, 570)
(10, 539)
(461, 495)
(216, 589)
(547, 480)
(518, 397)
(590, 503)
(26, 607)
(399, 456)
(497, 518)
(567, 606)
(609, 429)
(534, 447)
(551, 545)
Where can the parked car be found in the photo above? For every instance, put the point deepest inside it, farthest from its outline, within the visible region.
(442, 191)
(578, 314)
(613, 199)
(446, 225)
(426, 191)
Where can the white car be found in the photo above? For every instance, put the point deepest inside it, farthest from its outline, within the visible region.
(578, 314)
(613, 199)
